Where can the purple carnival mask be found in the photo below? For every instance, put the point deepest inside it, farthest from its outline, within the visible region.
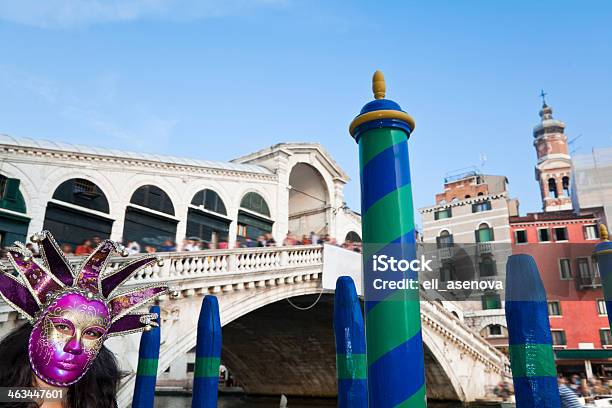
(73, 312)
(66, 339)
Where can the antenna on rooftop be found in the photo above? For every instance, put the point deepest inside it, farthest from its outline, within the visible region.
(483, 160)
(571, 142)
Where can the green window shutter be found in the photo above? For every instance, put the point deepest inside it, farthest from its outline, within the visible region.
(11, 191)
(484, 235)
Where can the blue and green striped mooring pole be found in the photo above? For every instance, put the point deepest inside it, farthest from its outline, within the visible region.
(396, 372)
(148, 358)
(350, 346)
(208, 355)
(530, 343)
(603, 256)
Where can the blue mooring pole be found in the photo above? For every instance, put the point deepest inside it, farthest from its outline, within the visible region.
(531, 354)
(148, 359)
(208, 355)
(349, 330)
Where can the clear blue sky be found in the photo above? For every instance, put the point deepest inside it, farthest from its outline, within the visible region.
(216, 79)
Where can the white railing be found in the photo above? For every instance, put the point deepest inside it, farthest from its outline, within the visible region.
(181, 265)
(484, 248)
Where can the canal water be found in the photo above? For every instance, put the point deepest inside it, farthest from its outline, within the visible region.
(237, 401)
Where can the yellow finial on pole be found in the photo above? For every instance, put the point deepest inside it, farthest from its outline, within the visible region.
(378, 85)
(603, 232)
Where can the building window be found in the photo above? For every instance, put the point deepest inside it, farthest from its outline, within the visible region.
(256, 203)
(558, 337)
(209, 200)
(85, 187)
(520, 236)
(591, 232)
(560, 233)
(584, 271)
(606, 338)
(445, 240)
(566, 188)
(491, 301)
(552, 188)
(153, 197)
(486, 267)
(543, 235)
(442, 214)
(484, 233)
(565, 269)
(447, 272)
(480, 207)
(83, 193)
(554, 308)
(494, 330)
(190, 367)
(601, 307)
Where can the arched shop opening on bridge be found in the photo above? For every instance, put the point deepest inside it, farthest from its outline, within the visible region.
(207, 218)
(309, 202)
(13, 220)
(78, 211)
(253, 217)
(149, 218)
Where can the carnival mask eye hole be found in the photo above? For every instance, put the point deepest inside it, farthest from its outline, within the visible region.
(92, 334)
(63, 328)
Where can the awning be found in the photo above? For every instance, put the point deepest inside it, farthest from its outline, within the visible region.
(583, 354)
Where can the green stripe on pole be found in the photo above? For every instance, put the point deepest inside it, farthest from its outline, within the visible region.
(380, 139)
(353, 367)
(417, 400)
(541, 354)
(147, 366)
(207, 367)
(400, 304)
(383, 223)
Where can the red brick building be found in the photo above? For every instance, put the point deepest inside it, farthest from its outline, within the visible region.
(561, 240)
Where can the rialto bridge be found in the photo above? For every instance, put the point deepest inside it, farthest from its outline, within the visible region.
(275, 311)
(79, 192)
(277, 324)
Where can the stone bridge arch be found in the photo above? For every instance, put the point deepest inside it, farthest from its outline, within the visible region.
(248, 282)
(247, 350)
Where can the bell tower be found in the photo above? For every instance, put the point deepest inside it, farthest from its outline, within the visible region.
(553, 171)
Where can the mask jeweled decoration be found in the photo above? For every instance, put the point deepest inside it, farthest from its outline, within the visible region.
(74, 310)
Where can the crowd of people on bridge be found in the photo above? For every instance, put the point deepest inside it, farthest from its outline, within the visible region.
(153, 245)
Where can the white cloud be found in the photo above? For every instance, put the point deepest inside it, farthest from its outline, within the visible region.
(75, 13)
(143, 130)
(133, 126)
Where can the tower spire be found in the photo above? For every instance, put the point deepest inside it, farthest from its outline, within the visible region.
(543, 96)
(553, 170)
(546, 111)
